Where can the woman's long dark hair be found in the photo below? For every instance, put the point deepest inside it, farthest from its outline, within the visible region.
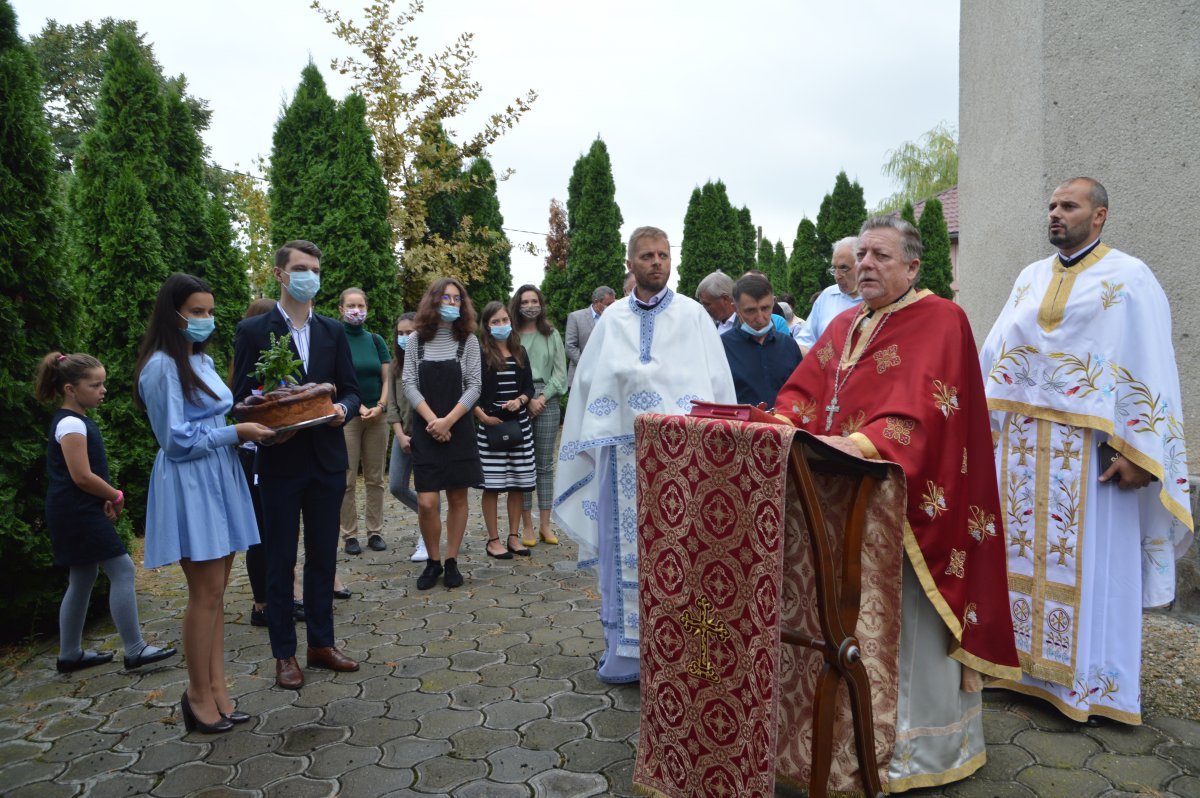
(491, 350)
(162, 335)
(397, 352)
(428, 318)
(514, 309)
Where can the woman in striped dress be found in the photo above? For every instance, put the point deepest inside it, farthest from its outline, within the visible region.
(507, 389)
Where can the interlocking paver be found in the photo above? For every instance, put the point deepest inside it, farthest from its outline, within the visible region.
(489, 690)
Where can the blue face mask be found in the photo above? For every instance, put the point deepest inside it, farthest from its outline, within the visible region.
(401, 341)
(303, 286)
(502, 332)
(757, 333)
(197, 330)
(449, 312)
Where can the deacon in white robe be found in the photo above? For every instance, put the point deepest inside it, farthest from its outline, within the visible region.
(653, 352)
(1081, 356)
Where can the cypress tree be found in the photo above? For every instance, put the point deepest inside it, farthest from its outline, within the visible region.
(937, 272)
(481, 205)
(355, 237)
(440, 154)
(303, 148)
(842, 213)
(37, 310)
(766, 258)
(779, 275)
(749, 239)
(554, 282)
(225, 271)
(689, 278)
(181, 206)
(716, 242)
(806, 267)
(908, 214)
(118, 169)
(597, 255)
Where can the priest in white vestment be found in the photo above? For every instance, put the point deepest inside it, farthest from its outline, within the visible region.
(1084, 398)
(653, 352)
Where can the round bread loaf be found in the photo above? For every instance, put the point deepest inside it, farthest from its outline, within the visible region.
(287, 405)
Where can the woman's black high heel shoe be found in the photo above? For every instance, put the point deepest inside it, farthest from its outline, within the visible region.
(192, 723)
(237, 717)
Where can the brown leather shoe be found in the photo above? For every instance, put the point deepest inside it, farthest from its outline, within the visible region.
(288, 674)
(330, 659)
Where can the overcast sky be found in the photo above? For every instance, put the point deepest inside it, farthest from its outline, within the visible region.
(773, 97)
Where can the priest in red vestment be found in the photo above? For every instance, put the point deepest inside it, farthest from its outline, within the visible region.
(897, 378)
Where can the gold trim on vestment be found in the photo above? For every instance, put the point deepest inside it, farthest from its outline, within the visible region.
(1062, 280)
(1074, 713)
(937, 779)
(1183, 514)
(650, 792)
(1041, 504)
(877, 317)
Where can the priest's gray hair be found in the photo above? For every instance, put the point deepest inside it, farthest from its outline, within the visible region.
(602, 292)
(848, 241)
(644, 232)
(910, 240)
(715, 286)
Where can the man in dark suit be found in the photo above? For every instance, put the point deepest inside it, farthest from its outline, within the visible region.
(580, 324)
(303, 471)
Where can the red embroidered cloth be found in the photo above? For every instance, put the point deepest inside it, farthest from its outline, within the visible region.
(723, 708)
(916, 398)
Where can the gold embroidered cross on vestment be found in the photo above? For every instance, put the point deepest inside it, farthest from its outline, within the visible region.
(704, 626)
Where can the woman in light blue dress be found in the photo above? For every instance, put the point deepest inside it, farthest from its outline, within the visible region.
(198, 512)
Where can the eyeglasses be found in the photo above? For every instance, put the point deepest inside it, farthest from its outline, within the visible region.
(447, 299)
(836, 270)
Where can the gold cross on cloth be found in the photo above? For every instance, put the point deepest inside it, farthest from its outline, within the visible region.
(705, 626)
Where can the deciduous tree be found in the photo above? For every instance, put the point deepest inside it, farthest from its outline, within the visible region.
(408, 94)
(924, 167)
(555, 287)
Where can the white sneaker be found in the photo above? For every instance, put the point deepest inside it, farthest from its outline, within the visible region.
(420, 555)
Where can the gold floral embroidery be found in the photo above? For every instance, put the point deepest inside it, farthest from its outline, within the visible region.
(981, 524)
(853, 424)
(971, 615)
(945, 397)
(1021, 293)
(933, 501)
(825, 353)
(807, 411)
(964, 465)
(899, 429)
(1112, 294)
(958, 562)
(886, 358)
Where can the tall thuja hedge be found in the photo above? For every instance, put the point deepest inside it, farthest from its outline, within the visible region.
(302, 152)
(712, 238)
(119, 171)
(480, 203)
(37, 312)
(937, 272)
(749, 240)
(806, 267)
(355, 236)
(597, 255)
(842, 213)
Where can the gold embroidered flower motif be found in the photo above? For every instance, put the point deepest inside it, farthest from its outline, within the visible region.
(945, 397)
(933, 501)
(853, 424)
(825, 353)
(807, 411)
(958, 562)
(886, 358)
(899, 429)
(970, 615)
(981, 523)
(1020, 294)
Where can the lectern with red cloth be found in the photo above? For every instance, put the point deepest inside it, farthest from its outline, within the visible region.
(725, 565)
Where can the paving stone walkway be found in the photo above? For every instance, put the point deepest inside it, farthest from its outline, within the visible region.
(487, 690)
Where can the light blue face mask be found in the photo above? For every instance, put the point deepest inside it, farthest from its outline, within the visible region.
(502, 332)
(449, 312)
(197, 330)
(757, 333)
(402, 341)
(303, 286)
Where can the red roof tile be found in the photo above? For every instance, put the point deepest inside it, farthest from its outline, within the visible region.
(949, 200)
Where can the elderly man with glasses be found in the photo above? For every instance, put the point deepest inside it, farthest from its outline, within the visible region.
(840, 296)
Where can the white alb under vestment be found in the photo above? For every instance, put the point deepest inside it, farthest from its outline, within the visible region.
(829, 304)
(638, 361)
(1080, 356)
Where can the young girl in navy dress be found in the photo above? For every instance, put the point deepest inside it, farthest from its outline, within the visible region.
(198, 509)
(81, 505)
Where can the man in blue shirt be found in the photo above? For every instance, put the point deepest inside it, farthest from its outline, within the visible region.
(760, 357)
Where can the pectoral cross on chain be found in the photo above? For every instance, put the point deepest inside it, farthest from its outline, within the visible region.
(830, 410)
